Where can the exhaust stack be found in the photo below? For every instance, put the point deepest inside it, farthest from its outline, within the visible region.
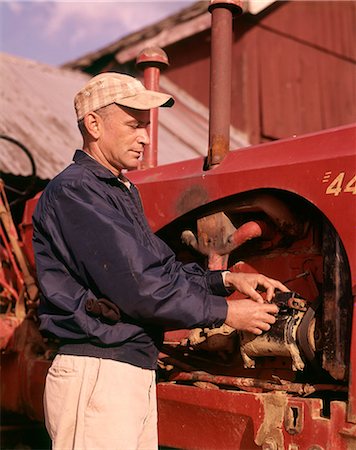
(152, 60)
(220, 78)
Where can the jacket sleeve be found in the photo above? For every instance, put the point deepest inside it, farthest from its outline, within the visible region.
(211, 279)
(101, 242)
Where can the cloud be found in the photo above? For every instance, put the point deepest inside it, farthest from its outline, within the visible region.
(87, 20)
(15, 7)
(58, 31)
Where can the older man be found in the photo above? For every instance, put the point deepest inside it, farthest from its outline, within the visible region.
(92, 242)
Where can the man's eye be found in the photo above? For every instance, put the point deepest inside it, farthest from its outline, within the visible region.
(137, 125)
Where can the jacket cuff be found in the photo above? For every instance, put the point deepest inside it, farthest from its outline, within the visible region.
(218, 311)
(216, 283)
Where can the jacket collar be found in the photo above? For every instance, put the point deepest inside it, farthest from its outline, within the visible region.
(82, 158)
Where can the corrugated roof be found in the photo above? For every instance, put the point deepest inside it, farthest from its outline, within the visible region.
(36, 109)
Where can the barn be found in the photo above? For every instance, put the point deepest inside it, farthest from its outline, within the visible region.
(293, 70)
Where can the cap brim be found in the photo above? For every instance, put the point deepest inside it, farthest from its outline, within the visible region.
(146, 100)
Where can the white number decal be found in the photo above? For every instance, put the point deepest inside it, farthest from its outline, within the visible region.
(336, 185)
(351, 186)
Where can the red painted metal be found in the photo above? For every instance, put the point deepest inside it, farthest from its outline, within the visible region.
(152, 60)
(220, 79)
(215, 419)
(296, 165)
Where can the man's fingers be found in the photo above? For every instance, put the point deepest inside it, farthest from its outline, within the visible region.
(271, 285)
(247, 283)
(260, 327)
(255, 330)
(250, 315)
(271, 308)
(270, 319)
(269, 293)
(254, 295)
(281, 286)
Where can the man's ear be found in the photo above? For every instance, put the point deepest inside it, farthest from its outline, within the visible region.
(92, 123)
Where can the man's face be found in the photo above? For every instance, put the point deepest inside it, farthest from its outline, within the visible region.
(123, 136)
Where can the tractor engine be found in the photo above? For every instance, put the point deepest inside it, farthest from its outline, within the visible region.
(282, 236)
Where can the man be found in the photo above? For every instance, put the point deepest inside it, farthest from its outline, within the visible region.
(92, 242)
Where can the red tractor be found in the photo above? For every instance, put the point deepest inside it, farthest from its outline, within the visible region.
(286, 209)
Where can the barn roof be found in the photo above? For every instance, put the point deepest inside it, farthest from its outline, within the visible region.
(185, 23)
(37, 111)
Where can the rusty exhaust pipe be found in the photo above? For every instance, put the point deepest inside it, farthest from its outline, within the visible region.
(152, 60)
(220, 78)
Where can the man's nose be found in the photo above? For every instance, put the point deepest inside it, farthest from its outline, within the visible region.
(144, 137)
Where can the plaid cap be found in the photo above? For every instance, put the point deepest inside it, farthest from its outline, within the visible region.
(112, 87)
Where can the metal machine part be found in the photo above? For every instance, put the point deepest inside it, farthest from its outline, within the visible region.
(281, 339)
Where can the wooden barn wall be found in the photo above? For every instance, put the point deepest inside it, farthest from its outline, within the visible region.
(294, 69)
(190, 64)
(307, 67)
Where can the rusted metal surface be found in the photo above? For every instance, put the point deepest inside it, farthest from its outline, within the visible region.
(256, 385)
(217, 238)
(24, 365)
(336, 303)
(11, 240)
(214, 232)
(152, 60)
(220, 79)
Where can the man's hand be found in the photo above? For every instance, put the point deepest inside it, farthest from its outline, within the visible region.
(247, 283)
(248, 315)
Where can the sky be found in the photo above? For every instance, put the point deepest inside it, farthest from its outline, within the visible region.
(55, 32)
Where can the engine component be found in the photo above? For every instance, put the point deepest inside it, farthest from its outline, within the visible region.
(281, 339)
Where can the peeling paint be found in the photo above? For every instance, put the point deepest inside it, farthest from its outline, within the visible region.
(274, 405)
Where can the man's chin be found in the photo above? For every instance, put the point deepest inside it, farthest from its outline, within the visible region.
(133, 165)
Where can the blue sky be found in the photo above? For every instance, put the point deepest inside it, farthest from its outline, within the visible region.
(55, 32)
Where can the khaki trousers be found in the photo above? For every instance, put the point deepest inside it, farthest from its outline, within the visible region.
(100, 404)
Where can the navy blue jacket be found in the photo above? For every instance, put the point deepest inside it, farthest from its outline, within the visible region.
(91, 240)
